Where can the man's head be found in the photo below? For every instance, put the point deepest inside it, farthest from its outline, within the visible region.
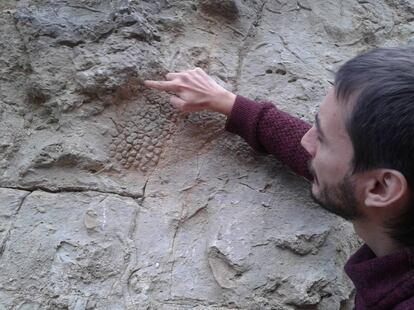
(362, 143)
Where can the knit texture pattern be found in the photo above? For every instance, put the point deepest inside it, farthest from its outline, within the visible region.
(382, 282)
(269, 130)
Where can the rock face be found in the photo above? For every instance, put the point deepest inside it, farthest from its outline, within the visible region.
(110, 199)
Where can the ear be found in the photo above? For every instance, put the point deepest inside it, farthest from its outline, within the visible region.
(384, 187)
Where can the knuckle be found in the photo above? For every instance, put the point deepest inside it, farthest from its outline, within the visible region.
(185, 77)
(180, 88)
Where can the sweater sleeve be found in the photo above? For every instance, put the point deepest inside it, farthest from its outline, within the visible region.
(267, 129)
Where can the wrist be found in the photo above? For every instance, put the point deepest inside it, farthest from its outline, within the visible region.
(223, 102)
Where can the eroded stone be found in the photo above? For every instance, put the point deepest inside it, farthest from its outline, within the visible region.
(140, 130)
(200, 220)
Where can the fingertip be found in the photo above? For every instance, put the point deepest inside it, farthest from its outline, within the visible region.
(148, 83)
(154, 85)
(176, 105)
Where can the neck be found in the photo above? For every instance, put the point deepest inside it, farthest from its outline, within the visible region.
(376, 238)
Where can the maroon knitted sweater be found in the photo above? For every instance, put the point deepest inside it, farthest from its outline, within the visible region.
(381, 282)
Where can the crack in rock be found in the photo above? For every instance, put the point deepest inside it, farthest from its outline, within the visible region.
(6, 237)
(73, 189)
(247, 42)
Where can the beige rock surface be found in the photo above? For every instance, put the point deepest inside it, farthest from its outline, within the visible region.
(110, 199)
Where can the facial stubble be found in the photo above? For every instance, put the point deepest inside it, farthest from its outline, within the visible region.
(339, 199)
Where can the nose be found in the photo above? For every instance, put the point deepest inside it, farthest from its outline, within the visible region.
(309, 141)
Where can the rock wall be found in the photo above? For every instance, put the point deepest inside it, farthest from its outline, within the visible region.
(110, 199)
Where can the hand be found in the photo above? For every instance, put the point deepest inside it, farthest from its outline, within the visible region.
(194, 90)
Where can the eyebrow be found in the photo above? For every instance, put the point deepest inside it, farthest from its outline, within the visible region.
(318, 126)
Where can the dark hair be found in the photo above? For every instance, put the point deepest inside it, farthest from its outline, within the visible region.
(380, 87)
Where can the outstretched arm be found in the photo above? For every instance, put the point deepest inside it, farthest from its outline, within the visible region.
(267, 129)
(262, 125)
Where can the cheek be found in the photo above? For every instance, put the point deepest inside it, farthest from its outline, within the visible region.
(328, 167)
(325, 173)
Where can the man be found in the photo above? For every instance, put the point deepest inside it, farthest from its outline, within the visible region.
(360, 152)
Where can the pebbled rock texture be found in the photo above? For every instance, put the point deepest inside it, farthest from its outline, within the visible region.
(111, 199)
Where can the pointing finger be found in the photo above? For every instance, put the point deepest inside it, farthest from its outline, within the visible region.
(161, 85)
(171, 76)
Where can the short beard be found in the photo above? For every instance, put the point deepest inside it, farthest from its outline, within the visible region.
(340, 200)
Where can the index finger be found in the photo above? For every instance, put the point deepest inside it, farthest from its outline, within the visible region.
(172, 75)
(161, 85)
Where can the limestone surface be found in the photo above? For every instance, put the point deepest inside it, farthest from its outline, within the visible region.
(111, 199)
